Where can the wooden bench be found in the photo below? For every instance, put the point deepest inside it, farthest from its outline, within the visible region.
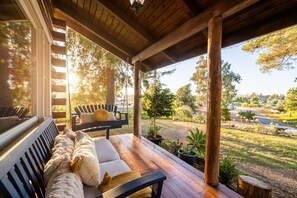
(21, 172)
(121, 118)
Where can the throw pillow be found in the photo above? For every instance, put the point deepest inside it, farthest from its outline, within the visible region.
(101, 115)
(64, 183)
(62, 149)
(117, 180)
(111, 116)
(87, 118)
(84, 160)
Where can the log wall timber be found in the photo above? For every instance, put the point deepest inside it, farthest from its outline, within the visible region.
(212, 157)
(137, 104)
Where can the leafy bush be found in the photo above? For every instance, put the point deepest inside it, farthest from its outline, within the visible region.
(184, 113)
(200, 118)
(228, 171)
(226, 115)
(249, 115)
(197, 141)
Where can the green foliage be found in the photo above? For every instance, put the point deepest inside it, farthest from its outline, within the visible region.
(184, 97)
(280, 104)
(153, 77)
(172, 146)
(153, 130)
(249, 115)
(226, 115)
(158, 102)
(95, 74)
(229, 81)
(228, 171)
(15, 64)
(184, 113)
(291, 100)
(278, 50)
(200, 118)
(197, 140)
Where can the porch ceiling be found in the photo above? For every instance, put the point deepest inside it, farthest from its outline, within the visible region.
(169, 31)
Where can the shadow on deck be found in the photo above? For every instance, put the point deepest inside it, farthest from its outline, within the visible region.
(182, 180)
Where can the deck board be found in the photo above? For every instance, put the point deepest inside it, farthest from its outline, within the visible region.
(182, 180)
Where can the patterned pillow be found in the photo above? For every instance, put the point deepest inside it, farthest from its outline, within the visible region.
(84, 160)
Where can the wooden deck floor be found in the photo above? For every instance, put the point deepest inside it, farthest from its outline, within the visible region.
(182, 179)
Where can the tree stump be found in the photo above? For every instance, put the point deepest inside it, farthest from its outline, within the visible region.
(253, 188)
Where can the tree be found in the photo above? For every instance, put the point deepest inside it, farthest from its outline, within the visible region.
(99, 74)
(278, 50)
(158, 102)
(229, 81)
(291, 100)
(184, 97)
(226, 115)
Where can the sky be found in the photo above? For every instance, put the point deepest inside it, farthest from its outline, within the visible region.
(243, 63)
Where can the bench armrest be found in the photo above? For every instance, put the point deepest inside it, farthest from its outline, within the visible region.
(154, 179)
(73, 120)
(122, 114)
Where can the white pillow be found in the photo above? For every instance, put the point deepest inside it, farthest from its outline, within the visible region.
(84, 159)
(87, 118)
(111, 116)
(64, 183)
(62, 149)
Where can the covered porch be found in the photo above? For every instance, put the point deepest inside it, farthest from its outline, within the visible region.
(159, 34)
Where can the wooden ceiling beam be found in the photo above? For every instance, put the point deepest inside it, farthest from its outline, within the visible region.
(134, 26)
(193, 26)
(91, 27)
(96, 39)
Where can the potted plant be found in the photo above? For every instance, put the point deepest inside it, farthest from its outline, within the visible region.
(153, 134)
(196, 144)
(187, 154)
(157, 102)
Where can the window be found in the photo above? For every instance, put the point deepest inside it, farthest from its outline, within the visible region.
(16, 71)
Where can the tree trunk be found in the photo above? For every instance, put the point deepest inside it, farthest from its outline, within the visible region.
(251, 187)
(110, 86)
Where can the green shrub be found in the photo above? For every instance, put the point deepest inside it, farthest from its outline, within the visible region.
(153, 130)
(200, 118)
(228, 171)
(172, 146)
(184, 113)
(249, 115)
(226, 115)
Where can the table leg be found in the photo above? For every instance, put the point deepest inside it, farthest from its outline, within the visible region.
(107, 133)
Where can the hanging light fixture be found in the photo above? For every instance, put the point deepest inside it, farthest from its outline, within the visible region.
(136, 5)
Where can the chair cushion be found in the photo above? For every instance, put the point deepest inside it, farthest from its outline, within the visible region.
(101, 115)
(121, 179)
(113, 168)
(84, 160)
(105, 151)
(111, 116)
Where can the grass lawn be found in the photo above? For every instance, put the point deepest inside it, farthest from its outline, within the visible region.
(273, 159)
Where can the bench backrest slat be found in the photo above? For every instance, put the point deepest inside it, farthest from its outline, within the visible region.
(93, 108)
(21, 172)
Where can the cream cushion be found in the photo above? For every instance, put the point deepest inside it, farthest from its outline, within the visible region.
(87, 118)
(84, 160)
(113, 168)
(62, 149)
(105, 151)
(64, 183)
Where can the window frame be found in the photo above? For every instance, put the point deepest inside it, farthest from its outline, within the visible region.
(41, 71)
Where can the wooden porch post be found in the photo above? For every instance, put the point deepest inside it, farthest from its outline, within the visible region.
(137, 103)
(213, 128)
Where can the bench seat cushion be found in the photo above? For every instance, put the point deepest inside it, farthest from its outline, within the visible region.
(113, 168)
(105, 151)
